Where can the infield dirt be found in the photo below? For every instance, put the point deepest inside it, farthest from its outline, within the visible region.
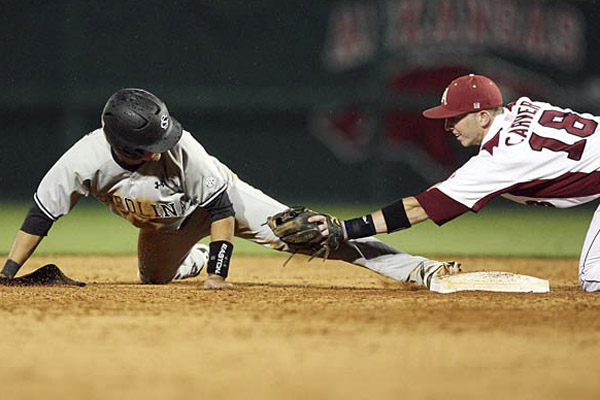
(305, 331)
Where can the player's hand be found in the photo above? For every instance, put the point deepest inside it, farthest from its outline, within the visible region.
(216, 282)
(321, 222)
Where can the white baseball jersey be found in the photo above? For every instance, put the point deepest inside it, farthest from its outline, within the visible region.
(156, 195)
(534, 153)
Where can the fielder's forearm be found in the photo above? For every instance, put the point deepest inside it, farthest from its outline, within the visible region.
(413, 214)
(22, 248)
(399, 215)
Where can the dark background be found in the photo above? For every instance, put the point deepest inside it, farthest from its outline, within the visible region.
(306, 100)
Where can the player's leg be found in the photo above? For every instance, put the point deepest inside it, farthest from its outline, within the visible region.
(167, 255)
(253, 207)
(589, 262)
(386, 260)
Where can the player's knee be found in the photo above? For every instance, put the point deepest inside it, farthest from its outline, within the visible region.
(590, 286)
(153, 280)
(589, 272)
(157, 281)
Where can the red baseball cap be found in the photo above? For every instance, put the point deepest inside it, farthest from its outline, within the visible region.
(467, 94)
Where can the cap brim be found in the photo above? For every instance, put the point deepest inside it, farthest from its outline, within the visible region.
(170, 139)
(441, 112)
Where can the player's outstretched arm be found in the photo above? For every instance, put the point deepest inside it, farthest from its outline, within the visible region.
(304, 229)
(22, 248)
(399, 215)
(221, 249)
(411, 214)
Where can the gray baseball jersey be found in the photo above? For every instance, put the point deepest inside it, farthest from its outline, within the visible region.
(156, 195)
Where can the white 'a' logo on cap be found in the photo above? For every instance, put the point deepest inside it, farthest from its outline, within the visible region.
(164, 121)
(444, 95)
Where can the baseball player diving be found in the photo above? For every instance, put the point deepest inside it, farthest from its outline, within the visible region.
(530, 152)
(147, 169)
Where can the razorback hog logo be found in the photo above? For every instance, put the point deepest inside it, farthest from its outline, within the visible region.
(444, 95)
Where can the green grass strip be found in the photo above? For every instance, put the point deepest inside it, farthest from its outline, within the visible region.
(515, 231)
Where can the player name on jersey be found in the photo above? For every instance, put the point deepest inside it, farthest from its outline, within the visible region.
(517, 132)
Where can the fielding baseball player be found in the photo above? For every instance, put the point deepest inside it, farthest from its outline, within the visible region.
(530, 152)
(150, 171)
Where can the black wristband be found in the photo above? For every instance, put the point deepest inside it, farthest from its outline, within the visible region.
(219, 257)
(395, 217)
(360, 227)
(10, 268)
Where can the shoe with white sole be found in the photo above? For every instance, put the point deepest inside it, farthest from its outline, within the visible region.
(427, 270)
(194, 263)
(438, 269)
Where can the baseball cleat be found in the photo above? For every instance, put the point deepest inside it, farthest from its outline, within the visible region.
(194, 263)
(438, 269)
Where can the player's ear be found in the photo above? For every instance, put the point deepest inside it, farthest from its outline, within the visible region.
(484, 118)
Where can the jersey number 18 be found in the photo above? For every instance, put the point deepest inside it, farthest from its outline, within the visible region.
(573, 123)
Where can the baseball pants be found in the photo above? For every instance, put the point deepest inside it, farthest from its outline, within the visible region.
(589, 262)
(160, 253)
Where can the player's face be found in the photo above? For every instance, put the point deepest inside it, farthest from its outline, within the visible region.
(466, 128)
(146, 156)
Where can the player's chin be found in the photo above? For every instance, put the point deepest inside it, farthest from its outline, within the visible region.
(153, 157)
(465, 142)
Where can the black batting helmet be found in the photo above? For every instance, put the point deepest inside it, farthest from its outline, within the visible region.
(136, 121)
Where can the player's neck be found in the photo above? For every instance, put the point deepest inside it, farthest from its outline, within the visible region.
(124, 164)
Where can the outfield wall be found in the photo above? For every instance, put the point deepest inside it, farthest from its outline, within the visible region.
(325, 93)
